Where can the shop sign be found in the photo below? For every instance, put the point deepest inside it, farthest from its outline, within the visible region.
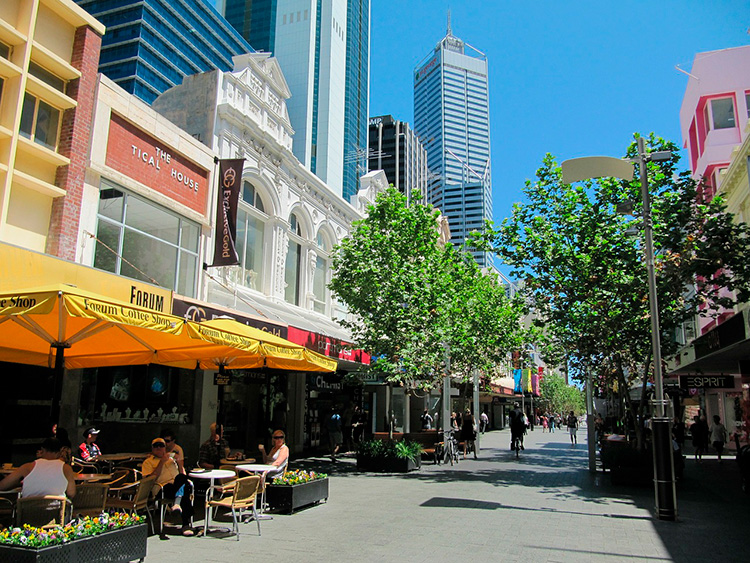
(198, 311)
(323, 382)
(707, 381)
(222, 378)
(422, 72)
(27, 270)
(143, 158)
(327, 345)
(371, 378)
(727, 333)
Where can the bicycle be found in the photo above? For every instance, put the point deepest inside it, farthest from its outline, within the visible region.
(471, 447)
(516, 445)
(450, 447)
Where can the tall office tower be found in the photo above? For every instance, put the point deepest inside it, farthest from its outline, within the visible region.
(323, 47)
(150, 45)
(397, 151)
(451, 117)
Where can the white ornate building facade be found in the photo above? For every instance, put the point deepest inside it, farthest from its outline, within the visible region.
(288, 220)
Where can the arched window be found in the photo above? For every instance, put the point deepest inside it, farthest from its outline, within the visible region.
(320, 276)
(251, 225)
(292, 268)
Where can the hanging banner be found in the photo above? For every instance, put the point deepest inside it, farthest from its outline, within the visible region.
(230, 179)
(535, 384)
(526, 381)
(517, 381)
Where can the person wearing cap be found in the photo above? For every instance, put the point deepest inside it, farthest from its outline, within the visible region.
(170, 481)
(88, 450)
(48, 475)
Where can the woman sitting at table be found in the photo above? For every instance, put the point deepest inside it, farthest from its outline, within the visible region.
(48, 475)
(278, 456)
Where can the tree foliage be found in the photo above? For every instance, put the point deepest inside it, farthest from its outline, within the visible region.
(412, 296)
(558, 397)
(587, 278)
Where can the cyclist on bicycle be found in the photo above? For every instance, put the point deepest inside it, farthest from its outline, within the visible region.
(517, 426)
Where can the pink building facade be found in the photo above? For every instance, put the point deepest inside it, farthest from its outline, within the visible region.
(715, 110)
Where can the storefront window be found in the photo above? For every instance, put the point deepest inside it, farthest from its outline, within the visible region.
(250, 229)
(140, 240)
(319, 285)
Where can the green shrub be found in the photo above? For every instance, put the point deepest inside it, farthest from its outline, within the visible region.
(401, 449)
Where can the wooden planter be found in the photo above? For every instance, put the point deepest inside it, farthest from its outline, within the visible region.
(388, 464)
(125, 544)
(288, 498)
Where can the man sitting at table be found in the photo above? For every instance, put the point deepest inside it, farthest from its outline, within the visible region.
(170, 481)
(173, 448)
(88, 450)
(48, 475)
(214, 449)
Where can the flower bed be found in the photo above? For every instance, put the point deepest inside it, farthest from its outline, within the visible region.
(297, 489)
(109, 537)
(297, 477)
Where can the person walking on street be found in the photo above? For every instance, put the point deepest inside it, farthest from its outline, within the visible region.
(335, 436)
(718, 434)
(467, 430)
(484, 421)
(551, 423)
(573, 428)
(699, 431)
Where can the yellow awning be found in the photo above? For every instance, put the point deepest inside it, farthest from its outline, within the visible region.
(94, 331)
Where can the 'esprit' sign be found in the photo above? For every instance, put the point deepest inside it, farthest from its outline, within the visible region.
(707, 382)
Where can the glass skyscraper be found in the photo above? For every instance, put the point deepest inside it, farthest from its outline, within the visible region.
(451, 117)
(323, 47)
(150, 45)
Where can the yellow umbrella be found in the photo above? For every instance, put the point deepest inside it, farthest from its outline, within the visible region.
(65, 326)
(278, 352)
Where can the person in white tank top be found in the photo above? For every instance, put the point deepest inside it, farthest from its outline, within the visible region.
(48, 475)
(279, 454)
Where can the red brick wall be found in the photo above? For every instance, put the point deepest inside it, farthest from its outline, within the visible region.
(75, 138)
(140, 156)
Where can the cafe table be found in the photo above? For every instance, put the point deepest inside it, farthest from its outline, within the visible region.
(236, 462)
(262, 469)
(92, 477)
(112, 459)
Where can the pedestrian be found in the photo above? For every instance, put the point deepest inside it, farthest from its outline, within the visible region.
(484, 421)
(468, 432)
(699, 431)
(552, 423)
(678, 431)
(718, 434)
(426, 420)
(335, 436)
(545, 423)
(573, 428)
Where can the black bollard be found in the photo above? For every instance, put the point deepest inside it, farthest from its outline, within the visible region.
(666, 493)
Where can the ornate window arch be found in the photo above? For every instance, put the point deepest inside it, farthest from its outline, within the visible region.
(252, 219)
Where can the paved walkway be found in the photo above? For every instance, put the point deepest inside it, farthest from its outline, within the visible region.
(544, 507)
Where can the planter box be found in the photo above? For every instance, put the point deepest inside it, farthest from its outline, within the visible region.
(292, 497)
(388, 464)
(117, 546)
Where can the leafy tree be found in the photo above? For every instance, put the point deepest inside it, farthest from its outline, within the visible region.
(412, 296)
(558, 397)
(586, 276)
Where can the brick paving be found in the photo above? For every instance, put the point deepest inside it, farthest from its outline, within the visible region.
(544, 507)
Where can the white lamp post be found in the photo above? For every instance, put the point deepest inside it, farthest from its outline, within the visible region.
(578, 169)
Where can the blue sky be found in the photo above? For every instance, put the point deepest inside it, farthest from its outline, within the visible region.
(573, 78)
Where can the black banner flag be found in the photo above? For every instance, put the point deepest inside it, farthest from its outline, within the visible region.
(230, 179)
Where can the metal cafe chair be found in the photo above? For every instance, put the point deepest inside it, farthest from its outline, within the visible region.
(243, 498)
(134, 497)
(43, 511)
(90, 499)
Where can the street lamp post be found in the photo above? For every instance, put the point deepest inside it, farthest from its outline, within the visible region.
(578, 169)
